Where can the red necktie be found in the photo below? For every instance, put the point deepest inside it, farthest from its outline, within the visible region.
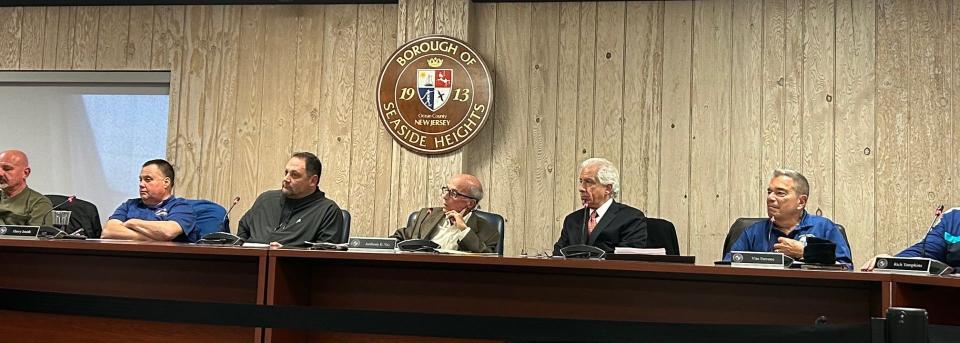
(593, 221)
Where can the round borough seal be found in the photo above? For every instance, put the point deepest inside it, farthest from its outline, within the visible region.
(434, 94)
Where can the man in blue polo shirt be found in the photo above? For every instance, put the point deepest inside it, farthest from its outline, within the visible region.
(941, 244)
(156, 215)
(790, 225)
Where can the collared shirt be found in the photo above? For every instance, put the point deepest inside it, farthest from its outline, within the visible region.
(761, 236)
(603, 209)
(448, 236)
(172, 208)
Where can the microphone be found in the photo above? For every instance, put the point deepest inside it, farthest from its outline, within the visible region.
(923, 245)
(68, 201)
(227, 215)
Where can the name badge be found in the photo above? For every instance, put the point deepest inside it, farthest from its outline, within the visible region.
(912, 265)
(750, 259)
(375, 244)
(19, 231)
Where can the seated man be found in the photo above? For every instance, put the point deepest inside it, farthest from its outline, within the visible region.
(20, 205)
(610, 224)
(297, 213)
(941, 244)
(453, 226)
(156, 215)
(790, 225)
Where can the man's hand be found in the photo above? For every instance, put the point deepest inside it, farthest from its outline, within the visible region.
(789, 247)
(457, 218)
(871, 263)
(276, 245)
(133, 223)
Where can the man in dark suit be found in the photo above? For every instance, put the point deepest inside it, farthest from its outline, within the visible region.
(454, 226)
(603, 222)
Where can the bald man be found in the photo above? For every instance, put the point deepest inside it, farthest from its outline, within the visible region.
(461, 230)
(20, 205)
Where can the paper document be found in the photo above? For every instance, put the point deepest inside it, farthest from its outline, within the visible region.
(641, 251)
(255, 245)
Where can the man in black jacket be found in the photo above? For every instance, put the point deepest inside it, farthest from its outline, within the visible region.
(602, 222)
(297, 212)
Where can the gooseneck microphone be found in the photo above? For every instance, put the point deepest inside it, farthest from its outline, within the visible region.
(227, 215)
(923, 245)
(68, 201)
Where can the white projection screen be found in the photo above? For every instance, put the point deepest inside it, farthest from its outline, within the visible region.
(85, 133)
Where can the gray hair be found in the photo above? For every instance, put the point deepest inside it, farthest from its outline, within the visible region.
(475, 191)
(799, 181)
(607, 174)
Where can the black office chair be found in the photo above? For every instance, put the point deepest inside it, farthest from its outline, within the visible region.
(843, 232)
(84, 215)
(736, 230)
(495, 219)
(345, 235)
(662, 234)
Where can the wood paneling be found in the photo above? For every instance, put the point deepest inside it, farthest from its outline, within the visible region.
(696, 102)
(676, 111)
(855, 121)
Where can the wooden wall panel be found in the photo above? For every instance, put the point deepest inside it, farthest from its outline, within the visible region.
(139, 47)
(774, 88)
(608, 82)
(746, 176)
(541, 133)
(219, 127)
(482, 36)
(10, 25)
(676, 125)
(279, 70)
(363, 156)
(818, 93)
(336, 100)
(587, 76)
(245, 169)
(386, 218)
(51, 30)
(32, 36)
(307, 115)
(643, 75)
(893, 111)
(65, 36)
(565, 196)
(710, 143)
(929, 91)
(697, 103)
(86, 34)
(855, 120)
(510, 168)
(793, 86)
(199, 77)
(112, 37)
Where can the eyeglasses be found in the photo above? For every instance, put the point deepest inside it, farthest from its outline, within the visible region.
(444, 191)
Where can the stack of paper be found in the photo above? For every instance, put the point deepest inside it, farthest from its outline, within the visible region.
(641, 251)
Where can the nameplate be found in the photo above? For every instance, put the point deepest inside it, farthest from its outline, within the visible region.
(911, 265)
(751, 259)
(372, 243)
(19, 231)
